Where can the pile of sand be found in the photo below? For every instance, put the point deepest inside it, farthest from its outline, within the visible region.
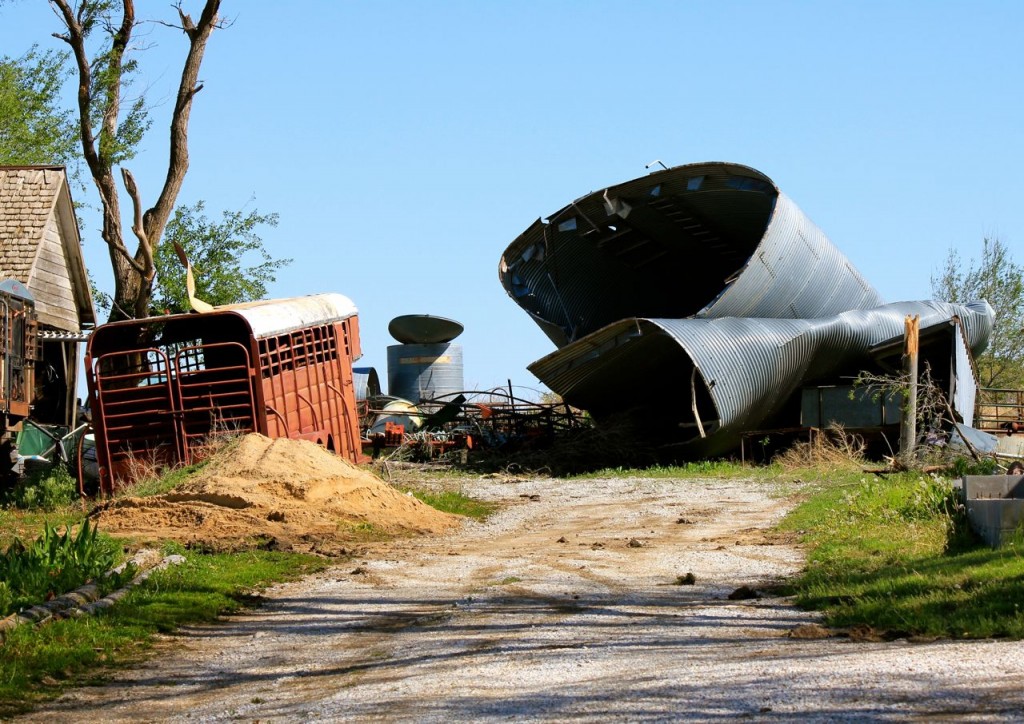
(284, 494)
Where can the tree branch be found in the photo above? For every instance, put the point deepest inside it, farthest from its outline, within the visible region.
(145, 268)
(75, 38)
(78, 25)
(155, 219)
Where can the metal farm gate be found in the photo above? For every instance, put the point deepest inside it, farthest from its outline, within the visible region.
(154, 409)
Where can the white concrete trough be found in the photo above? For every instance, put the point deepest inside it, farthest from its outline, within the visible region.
(995, 505)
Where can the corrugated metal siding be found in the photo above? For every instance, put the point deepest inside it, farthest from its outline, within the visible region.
(710, 240)
(418, 372)
(749, 366)
(965, 390)
(796, 272)
(366, 382)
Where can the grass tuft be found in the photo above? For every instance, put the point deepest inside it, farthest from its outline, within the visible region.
(455, 502)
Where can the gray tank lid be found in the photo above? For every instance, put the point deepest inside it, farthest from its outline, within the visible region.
(424, 329)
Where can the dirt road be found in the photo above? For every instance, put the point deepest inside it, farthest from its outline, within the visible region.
(572, 603)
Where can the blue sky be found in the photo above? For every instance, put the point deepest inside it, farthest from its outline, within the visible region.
(405, 144)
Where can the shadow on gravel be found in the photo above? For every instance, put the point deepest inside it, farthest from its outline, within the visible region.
(546, 657)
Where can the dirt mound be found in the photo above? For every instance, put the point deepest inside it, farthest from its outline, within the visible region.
(285, 494)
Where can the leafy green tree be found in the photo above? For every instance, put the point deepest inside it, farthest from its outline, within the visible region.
(34, 127)
(999, 280)
(228, 259)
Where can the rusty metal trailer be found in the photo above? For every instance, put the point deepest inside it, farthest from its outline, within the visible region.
(19, 348)
(160, 387)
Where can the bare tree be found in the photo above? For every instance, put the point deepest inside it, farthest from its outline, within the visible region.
(108, 139)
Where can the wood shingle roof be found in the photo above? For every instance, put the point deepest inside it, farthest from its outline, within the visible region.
(40, 244)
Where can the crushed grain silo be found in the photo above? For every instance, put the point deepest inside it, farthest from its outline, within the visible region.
(709, 284)
(427, 364)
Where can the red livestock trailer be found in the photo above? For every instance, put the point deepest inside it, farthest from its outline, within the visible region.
(160, 387)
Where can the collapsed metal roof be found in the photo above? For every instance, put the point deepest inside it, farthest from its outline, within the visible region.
(700, 298)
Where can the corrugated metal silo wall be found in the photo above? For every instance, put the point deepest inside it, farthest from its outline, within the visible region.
(366, 381)
(419, 372)
(795, 273)
(749, 367)
(721, 240)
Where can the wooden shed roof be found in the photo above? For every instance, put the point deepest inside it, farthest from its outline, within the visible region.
(29, 197)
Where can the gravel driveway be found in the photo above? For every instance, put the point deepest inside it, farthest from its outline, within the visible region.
(573, 603)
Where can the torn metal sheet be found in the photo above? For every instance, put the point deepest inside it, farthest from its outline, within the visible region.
(982, 442)
(703, 382)
(701, 240)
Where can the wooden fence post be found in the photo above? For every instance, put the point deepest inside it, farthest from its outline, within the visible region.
(908, 427)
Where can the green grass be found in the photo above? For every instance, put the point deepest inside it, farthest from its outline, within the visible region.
(702, 468)
(362, 531)
(158, 484)
(39, 662)
(895, 554)
(29, 523)
(453, 501)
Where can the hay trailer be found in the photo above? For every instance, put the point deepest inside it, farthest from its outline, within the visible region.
(160, 387)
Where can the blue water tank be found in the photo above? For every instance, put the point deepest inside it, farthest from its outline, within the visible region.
(419, 372)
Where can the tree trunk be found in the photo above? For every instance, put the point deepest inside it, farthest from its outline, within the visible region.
(133, 273)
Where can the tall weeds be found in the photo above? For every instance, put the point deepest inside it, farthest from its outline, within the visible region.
(53, 564)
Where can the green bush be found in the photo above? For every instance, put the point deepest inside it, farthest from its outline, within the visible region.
(45, 490)
(967, 466)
